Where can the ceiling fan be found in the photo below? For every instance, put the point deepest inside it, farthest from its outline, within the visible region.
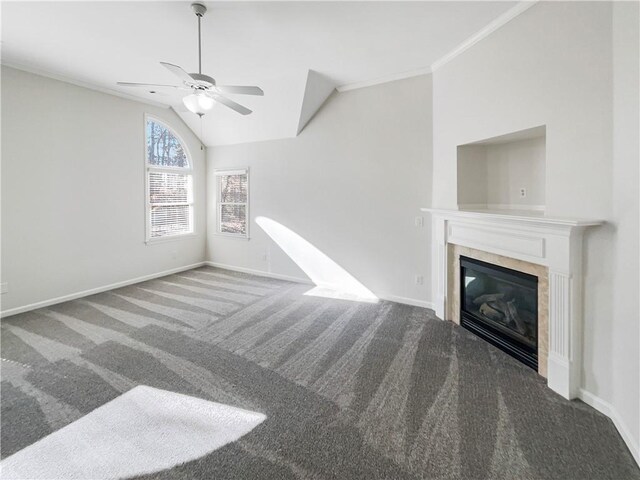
(205, 92)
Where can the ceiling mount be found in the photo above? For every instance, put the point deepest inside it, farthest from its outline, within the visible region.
(199, 9)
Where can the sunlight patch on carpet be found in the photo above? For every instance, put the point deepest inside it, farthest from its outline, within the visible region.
(145, 430)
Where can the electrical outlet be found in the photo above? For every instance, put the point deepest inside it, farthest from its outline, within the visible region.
(4, 288)
(419, 221)
(419, 280)
(523, 192)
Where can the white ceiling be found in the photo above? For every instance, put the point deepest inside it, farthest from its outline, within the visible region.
(270, 44)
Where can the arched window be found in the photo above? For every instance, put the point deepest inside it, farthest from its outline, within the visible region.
(169, 182)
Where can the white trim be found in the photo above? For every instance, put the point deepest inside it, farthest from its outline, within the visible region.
(501, 206)
(539, 220)
(260, 273)
(221, 172)
(503, 19)
(406, 301)
(232, 235)
(92, 291)
(609, 410)
(171, 238)
(80, 83)
(148, 168)
(386, 79)
(391, 298)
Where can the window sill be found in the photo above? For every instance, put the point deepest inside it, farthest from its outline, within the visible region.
(231, 235)
(171, 238)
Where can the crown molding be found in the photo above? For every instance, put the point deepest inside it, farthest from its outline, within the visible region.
(386, 79)
(503, 19)
(80, 83)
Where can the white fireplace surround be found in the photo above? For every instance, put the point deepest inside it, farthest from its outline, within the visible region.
(555, 243)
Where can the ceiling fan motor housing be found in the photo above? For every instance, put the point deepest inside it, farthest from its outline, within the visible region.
(203, 81)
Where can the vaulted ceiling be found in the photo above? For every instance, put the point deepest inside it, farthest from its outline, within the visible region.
(296, 51)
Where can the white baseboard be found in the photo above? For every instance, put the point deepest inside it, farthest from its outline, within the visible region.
(392, 298)
(609, 410)
(407, 301)
(92, 291)
(260, 273)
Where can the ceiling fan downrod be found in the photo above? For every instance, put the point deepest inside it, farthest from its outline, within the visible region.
(199, 9)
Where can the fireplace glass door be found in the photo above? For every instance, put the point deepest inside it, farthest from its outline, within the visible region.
(501, 306)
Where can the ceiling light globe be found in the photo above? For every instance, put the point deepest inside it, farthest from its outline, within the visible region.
(198, 103)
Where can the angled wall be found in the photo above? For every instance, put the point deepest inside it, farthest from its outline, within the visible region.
(316, 92)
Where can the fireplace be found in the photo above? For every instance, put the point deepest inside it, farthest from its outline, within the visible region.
(549, 248)
(500, 305)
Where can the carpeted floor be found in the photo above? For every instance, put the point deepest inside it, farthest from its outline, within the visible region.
(350, 390)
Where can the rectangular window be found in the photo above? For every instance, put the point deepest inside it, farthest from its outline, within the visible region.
(232, 198)
(170, 203)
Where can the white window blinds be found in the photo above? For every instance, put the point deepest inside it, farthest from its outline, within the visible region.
(169, 183)
(233, 202)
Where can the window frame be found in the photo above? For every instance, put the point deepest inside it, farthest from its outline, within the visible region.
(222, 172)
(149, 240)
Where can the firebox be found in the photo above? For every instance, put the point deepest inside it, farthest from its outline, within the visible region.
(500, 305)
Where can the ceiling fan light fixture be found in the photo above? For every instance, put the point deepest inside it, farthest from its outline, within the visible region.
(199, 103)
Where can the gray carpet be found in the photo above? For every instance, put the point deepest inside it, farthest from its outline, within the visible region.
(351, 390)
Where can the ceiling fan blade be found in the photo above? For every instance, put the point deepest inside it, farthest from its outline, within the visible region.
(178, 71)
(145, 85)
(231, 104)
(240, 90)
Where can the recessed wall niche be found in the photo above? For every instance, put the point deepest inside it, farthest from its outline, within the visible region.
(504, 173)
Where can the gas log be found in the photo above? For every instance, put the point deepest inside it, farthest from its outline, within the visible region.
(495, 307)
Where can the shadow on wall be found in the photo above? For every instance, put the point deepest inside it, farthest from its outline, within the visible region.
(331, 279)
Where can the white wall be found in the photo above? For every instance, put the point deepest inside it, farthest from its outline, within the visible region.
(472, 175)
(351, 184)
(73, 191)
(624, 318)
(515, 165)
(552, 66)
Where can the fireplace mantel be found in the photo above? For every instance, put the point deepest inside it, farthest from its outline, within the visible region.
(555, 243)
(525, 217)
